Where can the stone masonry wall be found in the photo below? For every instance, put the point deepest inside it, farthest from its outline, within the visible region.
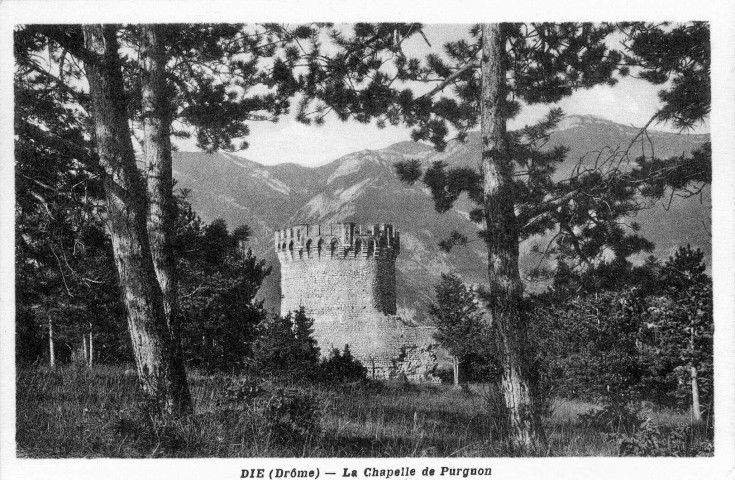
(331, 286)
(344, 277)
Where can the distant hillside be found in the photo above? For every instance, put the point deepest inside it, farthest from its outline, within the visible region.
(362, 187)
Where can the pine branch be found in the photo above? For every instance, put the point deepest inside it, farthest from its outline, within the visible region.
(640, 132)
(71, 41)
(70, 148)
(80, 97)
(451, 78)
(543, 210)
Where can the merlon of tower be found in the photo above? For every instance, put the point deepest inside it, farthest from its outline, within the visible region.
(337, 241)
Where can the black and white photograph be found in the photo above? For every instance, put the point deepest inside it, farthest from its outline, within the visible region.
(451, 243)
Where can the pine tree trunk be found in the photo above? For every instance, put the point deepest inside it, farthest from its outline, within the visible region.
(157, 156)
(84, 349)
(51, 353)
(696, 408)
(506, 288)
(155, 357)
(456, 372)
(161, 221)
(91, 348)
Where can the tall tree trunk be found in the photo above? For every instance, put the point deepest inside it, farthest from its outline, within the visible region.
(161, 220)
(157, 155)
(84, 348)
(155, 357)
(506, 288)
(51, 353)
(456, 372)
(696, 408)
(91, 347)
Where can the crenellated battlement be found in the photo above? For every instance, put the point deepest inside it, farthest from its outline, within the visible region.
(342, 241)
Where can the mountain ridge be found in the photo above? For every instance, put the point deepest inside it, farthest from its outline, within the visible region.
(362, 187)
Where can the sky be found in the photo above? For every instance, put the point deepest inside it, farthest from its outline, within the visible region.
(631, 102)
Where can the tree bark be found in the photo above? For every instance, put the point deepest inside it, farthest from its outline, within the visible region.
(51, 353)
(91, 348)
(84, 349)
(506, 288)
(157, 156)
(456, 372)
(161, 219)
(156, 359)
(696, 408)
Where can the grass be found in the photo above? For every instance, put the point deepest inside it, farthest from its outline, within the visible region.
(77, 412)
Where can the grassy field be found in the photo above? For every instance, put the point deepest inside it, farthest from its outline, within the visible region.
(76, 412)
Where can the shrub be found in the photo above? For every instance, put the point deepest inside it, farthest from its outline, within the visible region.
(292, 415)
(613, 418)
(286, 415)
(342, 367)
(655, 441)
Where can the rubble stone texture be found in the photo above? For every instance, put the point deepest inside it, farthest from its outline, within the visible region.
(344, 276)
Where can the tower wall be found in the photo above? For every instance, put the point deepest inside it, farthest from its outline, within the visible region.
(332, 287)
(337, 270)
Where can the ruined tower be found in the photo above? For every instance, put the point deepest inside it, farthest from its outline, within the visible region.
(343, 275)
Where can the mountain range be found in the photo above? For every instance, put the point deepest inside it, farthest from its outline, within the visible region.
(362, 187)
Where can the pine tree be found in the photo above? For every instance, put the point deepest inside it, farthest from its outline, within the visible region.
(501, 65)
(210, 60)
(218, 283)
(459, 324)
(490, 75)
(680, 54)
(285, 347)
(687, 324)
(63, 256)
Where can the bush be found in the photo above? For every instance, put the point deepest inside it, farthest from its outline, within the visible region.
(286, 415)
(292, 415)
(342, 367)
(655, 441)
(613, 418)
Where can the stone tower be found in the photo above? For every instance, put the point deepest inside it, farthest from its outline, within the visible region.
(344, 277)
(338, 270)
